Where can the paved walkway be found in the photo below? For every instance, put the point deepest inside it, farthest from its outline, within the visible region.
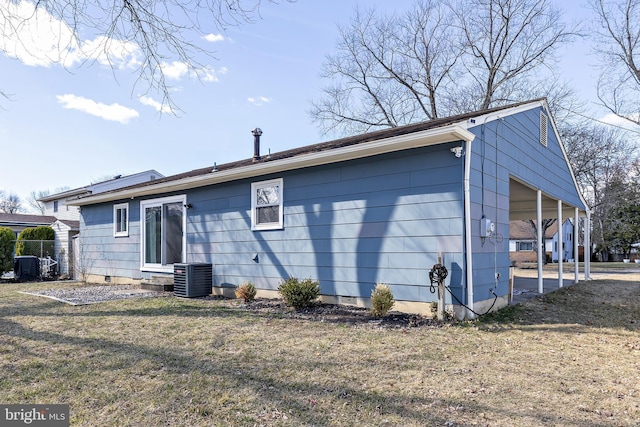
(525, 284)
(525, 288)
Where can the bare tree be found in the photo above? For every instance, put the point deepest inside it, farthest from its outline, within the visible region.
(603, 161)
(388, 70)
(437, 60)
(33, 201)
(618, 47)
(155, 32)
(505, 41)
(10, 203)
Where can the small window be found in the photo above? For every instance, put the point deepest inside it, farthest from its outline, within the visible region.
(121, 220)
(266, 205)
(525, 246)
(543, 129)
(55, 206)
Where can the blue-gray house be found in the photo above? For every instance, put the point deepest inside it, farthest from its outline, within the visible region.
(375, 208)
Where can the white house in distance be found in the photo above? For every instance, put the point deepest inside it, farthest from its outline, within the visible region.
(522, 242)
(567, 243)
(56, 204)
(66, 222)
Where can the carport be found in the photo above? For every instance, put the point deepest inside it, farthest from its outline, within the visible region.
(527, 203)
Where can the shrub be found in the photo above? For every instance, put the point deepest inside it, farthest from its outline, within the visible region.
(6, 249)
(29, 242)
(382, 300)
(246, 291)
(299, 294)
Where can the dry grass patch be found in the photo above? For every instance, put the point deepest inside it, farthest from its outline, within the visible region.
(571, 358)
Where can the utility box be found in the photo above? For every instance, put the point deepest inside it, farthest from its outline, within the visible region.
(487, 227)
(192, 280)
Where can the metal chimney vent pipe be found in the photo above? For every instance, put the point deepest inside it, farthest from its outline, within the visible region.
(257, 132)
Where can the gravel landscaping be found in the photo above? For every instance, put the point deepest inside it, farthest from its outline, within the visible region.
(94, 294)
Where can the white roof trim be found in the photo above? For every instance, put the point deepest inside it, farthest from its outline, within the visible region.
(450, 133)
(484, 118)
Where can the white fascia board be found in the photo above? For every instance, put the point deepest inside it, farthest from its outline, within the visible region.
(450, 133)
(487, 118)
(64, 195)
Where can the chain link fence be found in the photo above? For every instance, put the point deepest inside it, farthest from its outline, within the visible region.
(43, 251)
(39, 248)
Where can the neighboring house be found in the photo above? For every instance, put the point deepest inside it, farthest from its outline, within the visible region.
(65, 230)
(380, 207)
(18, 222)
(567, 243)
(522, 241)
(56, 204)
(66, 217)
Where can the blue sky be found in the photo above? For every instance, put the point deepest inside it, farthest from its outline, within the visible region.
(70, 126)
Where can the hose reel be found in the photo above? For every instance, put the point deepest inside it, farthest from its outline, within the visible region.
(437, 275)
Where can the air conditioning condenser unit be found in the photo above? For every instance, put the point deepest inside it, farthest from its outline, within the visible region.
(192, 280)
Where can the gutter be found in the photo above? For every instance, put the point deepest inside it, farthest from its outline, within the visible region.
(450, 133)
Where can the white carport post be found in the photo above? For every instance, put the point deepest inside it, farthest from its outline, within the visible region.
(539, 239)
(587, 246)
(576, 257)
(560, 244)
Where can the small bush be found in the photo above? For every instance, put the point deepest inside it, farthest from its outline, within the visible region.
(299, 294)
(246, 291)
(6, 249)
(382, 300)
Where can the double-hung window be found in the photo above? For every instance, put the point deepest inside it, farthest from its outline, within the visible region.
(121, 220)
(163, 223)
(525, 246)
(266, 205)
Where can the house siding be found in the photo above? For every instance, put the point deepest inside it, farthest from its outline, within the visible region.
(102, 254)
(504, 149)
(64, 211)
(348, 225)
(63, 247)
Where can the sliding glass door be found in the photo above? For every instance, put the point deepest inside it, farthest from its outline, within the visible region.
(163, 237)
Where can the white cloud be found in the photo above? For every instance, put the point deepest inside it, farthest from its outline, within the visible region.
(619, 121)
(176, 70)
(110, 52)
(150, 102)
(612, 119)
(32, 35)
(214, 38)
(112, 112)
(209, 74)
(258, 101)
(36, 38)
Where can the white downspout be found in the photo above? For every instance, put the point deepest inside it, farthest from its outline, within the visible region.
(467, 229)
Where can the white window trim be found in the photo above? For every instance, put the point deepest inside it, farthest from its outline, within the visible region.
(117, 207)
(159, 202)
(254, 220)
